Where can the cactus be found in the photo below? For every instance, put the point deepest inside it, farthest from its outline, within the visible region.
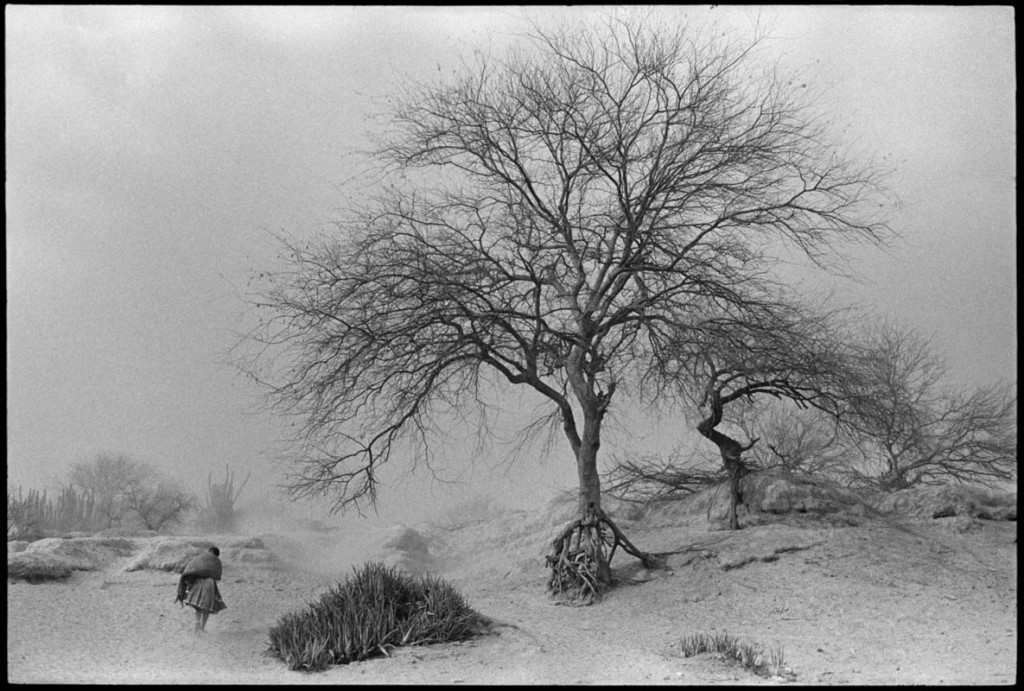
(220, 512)
(35, 515)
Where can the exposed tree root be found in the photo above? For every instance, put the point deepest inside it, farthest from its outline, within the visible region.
(581, 556)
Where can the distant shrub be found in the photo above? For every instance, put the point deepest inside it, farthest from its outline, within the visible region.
(375, 610)
(770, 663)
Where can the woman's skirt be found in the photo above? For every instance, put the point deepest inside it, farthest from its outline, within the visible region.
(204, 595)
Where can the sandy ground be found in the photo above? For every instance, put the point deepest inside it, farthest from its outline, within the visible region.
(918, 602)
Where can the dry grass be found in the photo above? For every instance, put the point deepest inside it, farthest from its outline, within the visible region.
(766, 663)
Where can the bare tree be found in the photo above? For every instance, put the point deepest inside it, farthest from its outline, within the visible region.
(545, 221)
(158, 503)
(124, 487)
(108, 476)
(776, 347)
(911, 428)
(797, 440)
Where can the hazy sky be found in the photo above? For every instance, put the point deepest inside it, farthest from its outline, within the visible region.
(153, 152)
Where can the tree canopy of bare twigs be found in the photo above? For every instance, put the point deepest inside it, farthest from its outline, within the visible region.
(784, 349)
(911, 428)
(878, 413)
(781, 347)
(651, 477)
(807, 441)
(159, 503)
(124, 487)
(108, 476)
(550, 219)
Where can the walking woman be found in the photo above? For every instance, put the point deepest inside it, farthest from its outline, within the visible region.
(197, 587)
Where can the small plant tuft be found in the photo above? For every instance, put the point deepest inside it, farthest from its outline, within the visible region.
(770, 663)
(373, 611)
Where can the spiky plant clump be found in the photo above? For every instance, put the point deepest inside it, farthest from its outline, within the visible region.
(373, 611)
(770, 663)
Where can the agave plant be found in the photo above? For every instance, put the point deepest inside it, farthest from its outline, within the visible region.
(373, 611)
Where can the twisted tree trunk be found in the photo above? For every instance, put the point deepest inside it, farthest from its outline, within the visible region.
(731, 451)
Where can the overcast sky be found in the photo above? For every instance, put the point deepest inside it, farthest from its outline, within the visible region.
(152, 153)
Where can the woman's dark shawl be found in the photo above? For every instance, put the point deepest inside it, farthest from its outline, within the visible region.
(206, 565)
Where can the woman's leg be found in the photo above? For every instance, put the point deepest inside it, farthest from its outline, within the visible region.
(205, 615)
(199, 615)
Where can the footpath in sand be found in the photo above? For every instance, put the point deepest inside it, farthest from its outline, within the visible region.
(852, 601)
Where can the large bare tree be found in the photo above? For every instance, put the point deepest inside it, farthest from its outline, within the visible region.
(544, 220)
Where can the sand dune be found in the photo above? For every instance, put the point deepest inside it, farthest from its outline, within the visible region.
(853, 599)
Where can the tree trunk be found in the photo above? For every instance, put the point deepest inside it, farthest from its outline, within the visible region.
(581, 555)
(586, 468)
(736, 472)
(731, 451)
(589, 510)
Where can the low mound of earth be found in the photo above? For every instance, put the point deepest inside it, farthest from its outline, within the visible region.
(52, 558)
(173, 554)
(855, 592)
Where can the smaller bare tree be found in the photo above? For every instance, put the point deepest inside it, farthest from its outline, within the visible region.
(774, 346)
(124, 488)
(910, 428)
(107, 476)
(159, 503)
